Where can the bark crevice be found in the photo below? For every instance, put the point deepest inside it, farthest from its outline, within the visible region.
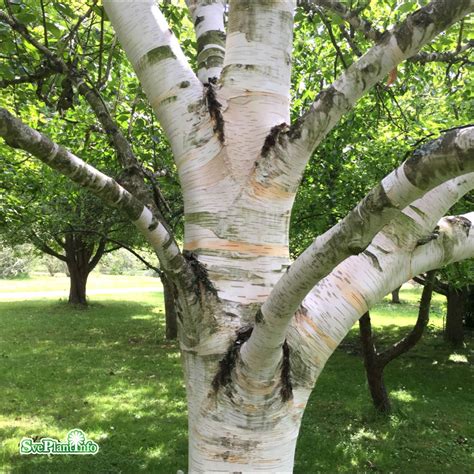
(215, 108)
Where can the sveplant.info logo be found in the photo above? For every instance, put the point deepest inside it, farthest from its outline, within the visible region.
(76, 443)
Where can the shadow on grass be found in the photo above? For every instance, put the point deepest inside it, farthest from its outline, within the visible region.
(430, 429)
(107, 370)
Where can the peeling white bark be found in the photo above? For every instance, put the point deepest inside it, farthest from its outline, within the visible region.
(239, 162)
(355, 285)
(255, 80)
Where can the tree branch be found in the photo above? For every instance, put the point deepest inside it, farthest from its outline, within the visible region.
(335, 304)
(334, 42)
(256, 79)
(436, 162)
(41, 245)
(450, 57)
(208, 19)
(171, 86)
(330, 309)
(18, 135)
(408, 341)
(284, 166)
(98, 255)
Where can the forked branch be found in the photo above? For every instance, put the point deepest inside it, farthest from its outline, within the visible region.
(436, 162)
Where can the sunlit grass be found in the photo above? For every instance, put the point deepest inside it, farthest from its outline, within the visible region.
(96, 281)
(109, 371)
(106, 370)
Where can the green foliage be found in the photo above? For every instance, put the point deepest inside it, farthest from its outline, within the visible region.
(384, 127)
(459, 275)
(34, 199)
(15, 262)
(122, 262)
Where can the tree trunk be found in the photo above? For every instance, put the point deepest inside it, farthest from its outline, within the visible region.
(78, 282)
(240, 427)
(373, 367)
(377, 388)
(454, 331)
(396, 296)
(469, 310)
(375, 362)
(80, 260)
(170, 309)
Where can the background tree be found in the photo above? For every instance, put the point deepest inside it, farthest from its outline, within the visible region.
(455, 283)
(37, 206)
(375, 361)
(255, 327)
(40, 208)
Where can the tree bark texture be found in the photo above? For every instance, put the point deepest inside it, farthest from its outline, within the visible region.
(255, 329)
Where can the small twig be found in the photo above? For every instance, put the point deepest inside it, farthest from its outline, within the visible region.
(108, 67)
(328, 26)
(101, 45)
(350, 41)
(75, 28)
(45, 31)
(351, 16)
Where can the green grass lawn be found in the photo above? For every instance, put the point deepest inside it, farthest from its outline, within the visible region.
(109, 371)
(60, 281)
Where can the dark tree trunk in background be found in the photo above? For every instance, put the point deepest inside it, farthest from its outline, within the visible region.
(170, 309)
(375, 362)
(78, 282)
(80, 260)
(396, 296)
(373, 369)
(469, 309)
(454, 331)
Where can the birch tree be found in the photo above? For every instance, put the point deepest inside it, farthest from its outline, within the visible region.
(256, 328)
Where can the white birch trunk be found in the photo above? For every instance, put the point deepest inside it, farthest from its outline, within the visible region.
(239, 163)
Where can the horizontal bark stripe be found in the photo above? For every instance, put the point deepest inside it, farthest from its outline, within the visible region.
(237, 246)
(211, 37)
(271, 192)
(154, 56)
